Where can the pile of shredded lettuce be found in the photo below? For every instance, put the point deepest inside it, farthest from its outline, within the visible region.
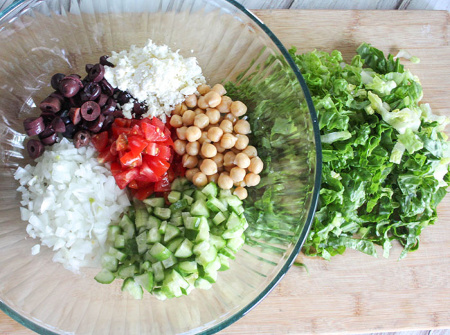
(385, 156)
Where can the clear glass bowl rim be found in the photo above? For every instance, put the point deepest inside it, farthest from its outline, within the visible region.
(315, 195)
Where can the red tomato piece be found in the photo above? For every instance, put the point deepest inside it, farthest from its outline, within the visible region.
(146, 174)
(115, 168)
(136, 130)
(100, 140)
(164, 152)
(144, 192)
(159, 166)
(122, 142)
(163, 185)
(152, 149)
(136, 143)
(133, 184)
(117, 130)
(131, 159)
(122, 122)
(158, 123)
(125, 177)
(105, 156)
(152, 133)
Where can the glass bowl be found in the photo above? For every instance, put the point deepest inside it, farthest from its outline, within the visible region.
(39, 38)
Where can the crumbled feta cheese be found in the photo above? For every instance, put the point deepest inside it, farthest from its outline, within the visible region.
(155, 76)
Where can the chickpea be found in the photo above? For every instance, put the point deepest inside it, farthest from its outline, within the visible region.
(177, 110)
(252, 179)
(189, 162)
(242, 127)
(213, 99)
(180, 147)
(219, 147)
(228, 141)
(199, 179)
(224, 106)
(218, 159)
(188, 118)
(204, 138)
(208, 167)
(219, 89)
(250, 151)
(176, 121)
(228, 159)
(256, 165)
(213, 115)
(201, 121)
(192, 148)
(225, 182)
(231, 117)
(193, 133)
(237, 174)
(201, 102)
(227, 126)
(238, 108)
(181, 133)
(242, 160)
(236, 151)
(208, 150)
(199, 111)
(190, 173)
(240, 192)
(203, 89)
(191, 101)
(213, 178)
(215, 134)
(242, 142)
(239, 183)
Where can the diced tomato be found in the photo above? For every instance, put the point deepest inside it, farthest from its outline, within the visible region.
(105, 156)
(117, 130)
(158, 123)
(115, 168)
(159, 166)
(144, 193)
(122, 142)
(131, 159)
(113, 149)
(122, 122)
(100, 140)
(133, 184)
(136, 143)
(146, 174)
(168, 141)
(164, 152)
(125, 177)
(152, 133)
(163, 185)
(152, 149)
(136, 130)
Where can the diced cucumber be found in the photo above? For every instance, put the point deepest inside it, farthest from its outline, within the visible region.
(130, 286)
(162, 213)
(153, 235)
(188, 267)
(141, 218)
(213, 266)
(113, 232)
(211, 276)
(141, 241)
(206, 256)
(169, 262)
(109, 262)
(179, 184)
(129, 230)
(174, 196)
(202, 284)
(185, 215)
(217, 241)
(125, 220)
(225, 193)
(198, 195)
(227, 252)
(158, 271)
(188, 198)
(176, 221)
(219, 218)
(211, 190)
(155, 202)
(171, 232)
(234, 222)
(234, 201)
(145, 280)
(148, 257)
(224, 262)
(236, 243)
(162, 227)
(237, 209)
(184, 250)
(199, 208)
(174, 244)
(216, 205)
(160, 252)
(189, 192)
(106, 276)
(145, 266)
(179, 205)
(173, 283)
(201, 247)
(117, 254)
(119, 242)
(126, 271)
(203, 230)
(232, 233)
(153, 222)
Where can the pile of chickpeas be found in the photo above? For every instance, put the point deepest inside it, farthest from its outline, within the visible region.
(212, 138)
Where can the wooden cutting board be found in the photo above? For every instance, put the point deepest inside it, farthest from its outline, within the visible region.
(356, 293)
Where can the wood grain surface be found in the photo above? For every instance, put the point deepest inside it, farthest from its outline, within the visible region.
(355, 293)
